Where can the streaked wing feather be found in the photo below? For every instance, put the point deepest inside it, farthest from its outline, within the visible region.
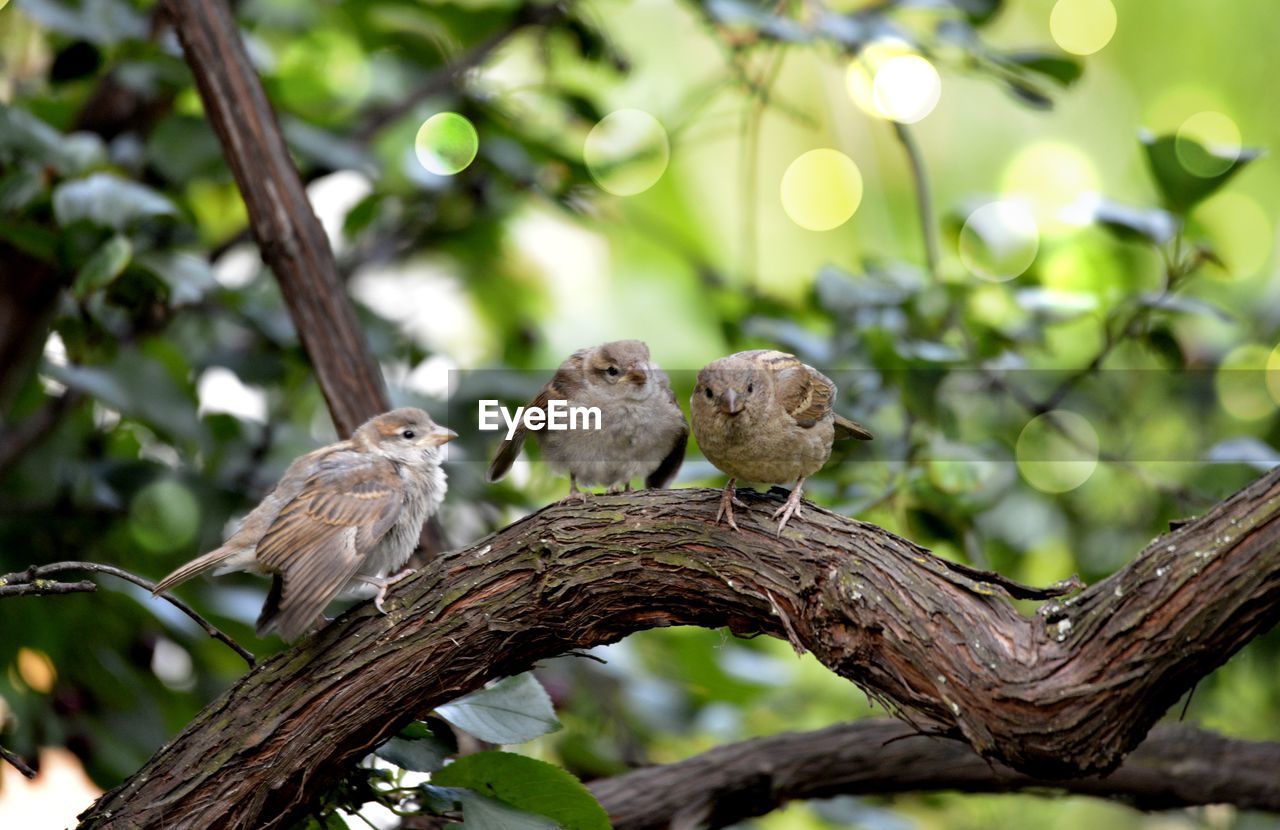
(804, 392)
(320, 538)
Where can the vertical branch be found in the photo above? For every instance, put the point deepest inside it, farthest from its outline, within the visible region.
(283, 223)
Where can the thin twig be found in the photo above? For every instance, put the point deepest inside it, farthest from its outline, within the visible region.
(42, 587)
(924, 198)
(17, 762)
(33, 575)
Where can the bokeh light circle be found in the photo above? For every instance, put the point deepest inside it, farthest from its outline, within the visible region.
(1082, 27)
(446, 143)
(821, 189)
(627, 152)
(164, 516)
(1243, 381)
(1213, 131)
(1240, 230)
(1057, 451)
(1054, 178)
(999, 240)
(1273, 374)
(906, 88)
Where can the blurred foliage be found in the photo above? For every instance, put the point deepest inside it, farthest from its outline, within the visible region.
(178, 391)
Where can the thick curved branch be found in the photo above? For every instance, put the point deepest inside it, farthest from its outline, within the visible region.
(1067, 692)
(1173, 767)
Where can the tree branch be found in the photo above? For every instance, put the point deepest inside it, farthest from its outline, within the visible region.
(1066, 693)
(32, 581)
(284, 225)
(1174, 767)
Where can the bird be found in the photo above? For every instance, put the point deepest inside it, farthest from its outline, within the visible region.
(340, 523)
(642, 432)
(766, 416)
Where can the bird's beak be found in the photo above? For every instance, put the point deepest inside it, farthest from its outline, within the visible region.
(441, 435)
(729, 403)
(638, 373)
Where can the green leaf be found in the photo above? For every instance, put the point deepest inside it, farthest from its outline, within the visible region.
(512, 711)
(1173, 159)
(1028, 94)
(417, 748)
(106, 263)
(1059, 68)
(103, 22)
(1245, 450)
(32, 237)
(1184, 304)
(1134, 223)
(978, 11)
(138, 385)
(482, 813)
(108, 201)
(20, 187)
(188, 275)
(25, 138)
(526, 784)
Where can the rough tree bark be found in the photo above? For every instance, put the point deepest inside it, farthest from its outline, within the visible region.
(1067, 692)
(1174, 767)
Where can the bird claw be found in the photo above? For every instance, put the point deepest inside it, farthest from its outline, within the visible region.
(727, 501)
(789, 508)
(383, 583)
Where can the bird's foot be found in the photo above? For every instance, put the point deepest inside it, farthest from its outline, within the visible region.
(382, 583)
(789, 508)
(728, 498)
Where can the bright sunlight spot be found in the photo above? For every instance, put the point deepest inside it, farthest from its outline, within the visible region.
(821, 189)
(1082, 27)
(627, 152)
(446, 144)
(1057, 451)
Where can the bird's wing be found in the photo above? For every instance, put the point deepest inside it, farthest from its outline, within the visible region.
(320, 538)
(670, 465)
(803, 392)
(806, 394)
(561, 387)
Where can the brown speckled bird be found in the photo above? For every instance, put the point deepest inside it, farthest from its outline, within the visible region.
(341, 522)
(765, 416)
(642, 430)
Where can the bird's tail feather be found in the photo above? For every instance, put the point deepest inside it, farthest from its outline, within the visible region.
(846, 428)
(195, 567)
(508, 450)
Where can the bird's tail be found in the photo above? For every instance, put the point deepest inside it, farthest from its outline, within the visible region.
(846, 428)
(195, 567)
(508, 450)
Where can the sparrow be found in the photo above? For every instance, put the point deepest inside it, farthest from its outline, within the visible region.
(642, 431)
(341, 522)
(765, 416)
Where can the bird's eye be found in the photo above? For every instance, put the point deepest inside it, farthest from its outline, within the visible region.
(613, 371)
(408, 433)
(709, 395)
(750, 388)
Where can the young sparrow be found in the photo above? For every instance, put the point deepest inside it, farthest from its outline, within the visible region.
(642, 431)
(342, 521)
(765, 416)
